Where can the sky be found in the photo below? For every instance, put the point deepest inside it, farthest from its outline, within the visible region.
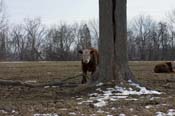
(55, 11)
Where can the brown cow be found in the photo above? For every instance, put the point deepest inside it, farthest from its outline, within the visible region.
(166, 67)
(89, 62)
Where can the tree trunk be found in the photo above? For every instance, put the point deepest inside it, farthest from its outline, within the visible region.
(113, 42)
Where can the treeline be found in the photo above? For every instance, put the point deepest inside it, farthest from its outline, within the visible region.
(32, 41)
(151, 40)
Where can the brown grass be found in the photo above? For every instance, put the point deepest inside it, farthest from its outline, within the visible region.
(27, 101)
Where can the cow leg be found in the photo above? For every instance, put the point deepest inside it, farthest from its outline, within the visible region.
(84, 80)
(92, 77)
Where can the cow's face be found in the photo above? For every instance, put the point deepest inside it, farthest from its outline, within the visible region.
(85, 55)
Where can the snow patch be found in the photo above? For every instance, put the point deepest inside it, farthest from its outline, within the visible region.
(113, 108)
(54, 114)
(164, 104)
(30, 81)
(160, 114)
(102, 97)
(12, 111)
(72, 113)
(3, 111)
(63, 109)
(122, 115)
(170, 112)
(93, 115)
(46, 87)
(131, 99)
(100, 111)
(142, 90)
(79, 98)
(99, 84)
(148, 106)
(99, 89)
(131, 109)
(101, 103)
(154, 98)
(87, 101)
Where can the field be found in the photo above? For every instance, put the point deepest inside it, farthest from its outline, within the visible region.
(65, 101)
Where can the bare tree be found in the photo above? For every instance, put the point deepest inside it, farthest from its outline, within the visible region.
(3, 44)
(19, 42)
(132, 47)
(113, 42)
(94, 29)
(171, 29)
(84, 37)
(3, 31)
(3, 16)
(164, 40)
(153, 44)
(60, 39)
(35, 34)
(142, 27)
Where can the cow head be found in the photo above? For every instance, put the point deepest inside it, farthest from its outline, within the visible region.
(86, 55)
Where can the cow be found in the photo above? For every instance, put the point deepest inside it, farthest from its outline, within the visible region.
(89, 62)
(166, 67)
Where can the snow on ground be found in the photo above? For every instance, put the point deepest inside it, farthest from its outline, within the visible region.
(6, 112)
(3, 111)
(170, 112)
(102, 97)
(45, 114)
(31, 81)
(122, 115)
(46, 87)
(160, 114)
(72, 113)
(143, 90)
(99, 84)
(63, 109)
(148, 106)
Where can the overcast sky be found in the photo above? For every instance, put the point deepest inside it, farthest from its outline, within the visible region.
(54, 11)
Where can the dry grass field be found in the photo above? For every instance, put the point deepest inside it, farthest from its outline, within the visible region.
(59, 101)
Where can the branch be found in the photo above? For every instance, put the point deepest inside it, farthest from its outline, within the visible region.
(57, 83)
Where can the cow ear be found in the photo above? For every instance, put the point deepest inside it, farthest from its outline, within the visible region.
(80, 51)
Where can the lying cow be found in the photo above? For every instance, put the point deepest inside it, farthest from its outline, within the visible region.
(166, 67)
(89, 62)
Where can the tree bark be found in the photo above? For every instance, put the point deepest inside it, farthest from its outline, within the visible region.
(113, 42)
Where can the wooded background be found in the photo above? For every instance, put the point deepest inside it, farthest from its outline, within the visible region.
(33, 41)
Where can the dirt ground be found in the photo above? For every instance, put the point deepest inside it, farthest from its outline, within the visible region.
(59, 101)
